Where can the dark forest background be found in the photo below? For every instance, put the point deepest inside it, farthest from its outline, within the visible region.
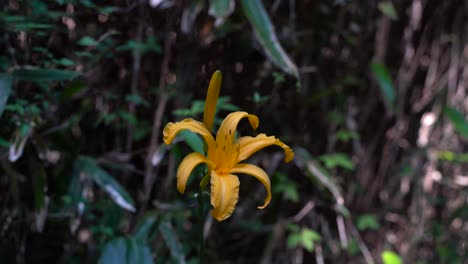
(371, 95)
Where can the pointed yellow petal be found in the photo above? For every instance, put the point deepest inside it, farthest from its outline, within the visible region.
(250, 145)
(172, 129)
(258, 173)
(186, 167)
(212, 99)
(225, 149)
(224, 195)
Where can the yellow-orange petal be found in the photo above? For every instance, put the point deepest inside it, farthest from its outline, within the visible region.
(186, 167)
(258, 173)
(172, 129)
(226, 133)
(212, 99)
(249, 145)
(224, 195)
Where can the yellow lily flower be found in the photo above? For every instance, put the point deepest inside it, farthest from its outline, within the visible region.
(224, 154)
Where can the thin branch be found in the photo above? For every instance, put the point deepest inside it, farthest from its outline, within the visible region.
(161, 102)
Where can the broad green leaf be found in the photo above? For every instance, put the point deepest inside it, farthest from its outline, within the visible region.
(367, 222)
(221, 9)
(388, 9)
(106, 182)
(193, 140)
(22, 23)
(384, 79)
(125, 251)
(39, 75)
(265, 34)
(5, 90)
(143, 231)
(172, 242)
(390, 257)
(457, 118)
(337, 160)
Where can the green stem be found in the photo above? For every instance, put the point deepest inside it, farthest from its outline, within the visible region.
(201, 249)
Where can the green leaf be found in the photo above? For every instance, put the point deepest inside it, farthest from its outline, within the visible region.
(39, 75)
(149, 45)
(221, 9)
(294, 240)
(304, 237)
(337, 160)
(65, 62)
(106, 182)
(286, 186)
(308, 239)
(353, 247)
(144, 228)
(125, 251)
(317, 174)
(72, 90)
(5, 90)
(4, 143)
(388, 9)
(87, 41)
(265, 34)
(172, 242)
(457, 118)
(384, 79)
(390, 257)
(367, 222)
(346, 135)
(16, 149)
(193, 140)
(137, 100)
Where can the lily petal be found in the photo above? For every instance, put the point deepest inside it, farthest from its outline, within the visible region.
(249, 145)
(212, 99)
(258, 173)
(224, 195)
(172, 129)
(186, 167)
(226, 151)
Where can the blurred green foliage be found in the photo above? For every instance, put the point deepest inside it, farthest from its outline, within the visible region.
(378, 124)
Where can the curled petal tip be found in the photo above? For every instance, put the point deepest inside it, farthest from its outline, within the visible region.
(181, 188)
(166, 133)
(254, 121)
(288, 155)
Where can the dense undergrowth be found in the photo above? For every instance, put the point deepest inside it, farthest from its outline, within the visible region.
(372, 98)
